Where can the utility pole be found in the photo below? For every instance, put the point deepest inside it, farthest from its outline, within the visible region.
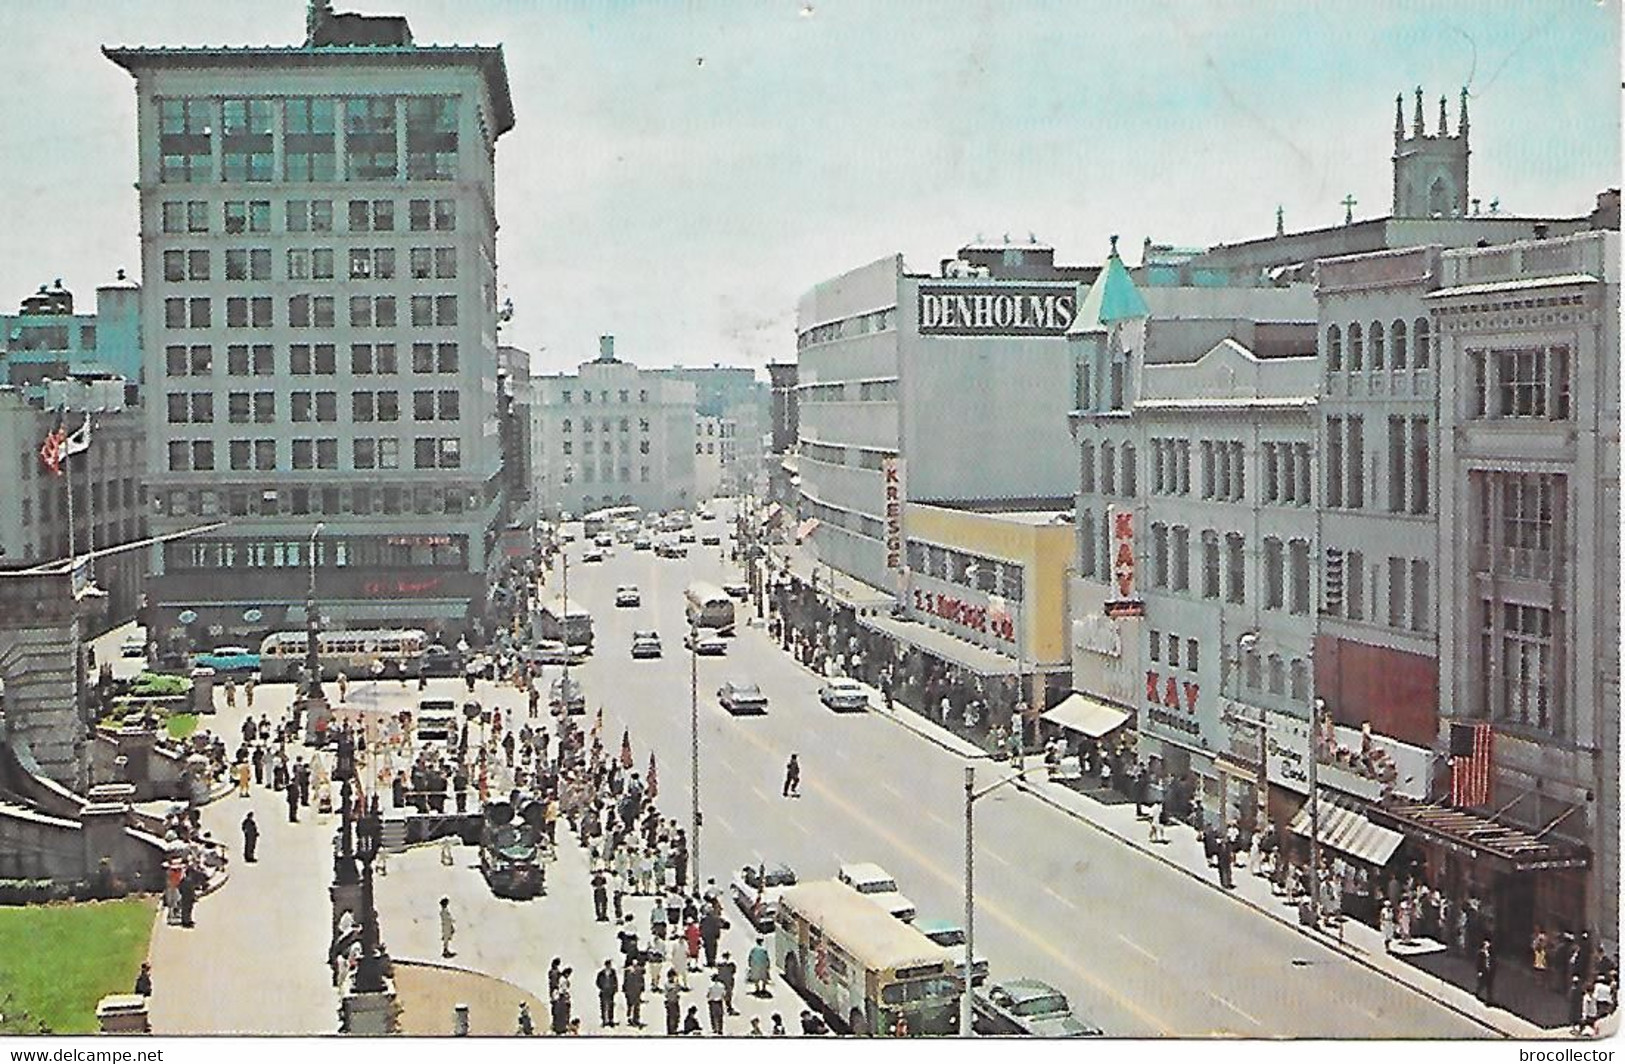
(694, 747)
(966, 1013)
(1315, 707)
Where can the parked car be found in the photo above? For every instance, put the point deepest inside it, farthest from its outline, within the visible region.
(642, 543)
(951, 935)
(441, 660)
(671, 550)
(646, 644)
(133, 645)
(738, 696)
(1026, 1006)
(705, 642)
(877, 883)
(568, 694)
(710, 539)
(685, 536)
(736, 591)
(756, 889)
(627, 595)
(844, 695)
(550, 652)
(228, 660)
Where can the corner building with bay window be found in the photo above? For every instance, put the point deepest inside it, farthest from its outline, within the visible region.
(318, 236)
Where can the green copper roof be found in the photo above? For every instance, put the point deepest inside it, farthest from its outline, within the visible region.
(1112, 298)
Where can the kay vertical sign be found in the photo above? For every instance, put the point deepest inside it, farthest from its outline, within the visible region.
(892, 479)
(1124, 600)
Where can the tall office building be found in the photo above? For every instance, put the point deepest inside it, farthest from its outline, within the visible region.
(318, 235)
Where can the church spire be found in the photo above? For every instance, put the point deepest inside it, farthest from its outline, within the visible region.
(1444, 124)
(1399, 117)
(1416, 123)
(1461, 123)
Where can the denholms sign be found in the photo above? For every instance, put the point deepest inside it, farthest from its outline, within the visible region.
(961, 310)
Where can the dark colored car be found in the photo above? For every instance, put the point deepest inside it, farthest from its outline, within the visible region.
(442, 661)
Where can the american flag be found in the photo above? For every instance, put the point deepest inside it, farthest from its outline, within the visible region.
(1470, 750)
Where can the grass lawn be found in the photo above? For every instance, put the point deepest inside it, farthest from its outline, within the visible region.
(182, 724)
(58, 961)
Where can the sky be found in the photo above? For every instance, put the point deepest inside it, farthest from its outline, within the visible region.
(682, 171)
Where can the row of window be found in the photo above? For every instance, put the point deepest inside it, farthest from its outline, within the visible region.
(608, 448)
(975, 571)
(1524, 382)
(308, 312)
(260, 407)
(316, 132)
(1110, 465)
(358, 501)
(122, 492)
(605, 473)
(1518, 526)
(1355, 590)
(1518, 680)
(858, 325)
(361, 552)
(428, 452)
(1394, 345)
(306, 216)
(310, 264)
(860, 524)
(1179, 654)
(259, 360)
(625, 396)
(607, 424)
(1288, 473)
(875, 391)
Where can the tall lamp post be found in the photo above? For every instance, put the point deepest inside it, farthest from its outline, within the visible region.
(313, 661)
(1316, 706)
(694, 747)
(972, 796)
(344, 870)
(369, 971)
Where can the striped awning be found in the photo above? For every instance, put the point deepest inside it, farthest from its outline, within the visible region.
(1080, 713)
(1351, 832)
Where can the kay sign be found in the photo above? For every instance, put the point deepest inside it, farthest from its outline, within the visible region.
(1123, 602)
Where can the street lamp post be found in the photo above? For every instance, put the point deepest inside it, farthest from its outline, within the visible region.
(369, 973)
(972, 796)
(313, 661)
(344, 870)
(1316, 705)
(694, 747)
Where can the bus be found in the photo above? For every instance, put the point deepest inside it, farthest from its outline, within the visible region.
(861, 965)
(710, 607)
(604, 520)
(562, 620)
(352, 652)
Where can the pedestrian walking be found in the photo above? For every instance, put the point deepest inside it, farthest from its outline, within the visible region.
(714, 997)
(677, 956)
(758, 969)
(600, 897)
(1486, 972)
(673, 993)
(608, 983)
(711, 927)
(448, 928)
(251, 837)
(792, 778)
(727, 974)
(248, 691)
(561, 1009)
(692, 940)
(243, 774)
(632, 990)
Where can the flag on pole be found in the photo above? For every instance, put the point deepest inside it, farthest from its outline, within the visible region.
(1471, 747)
(598, 723)
(79, 442)
(653, 790)
(51, 451)
(626, 749)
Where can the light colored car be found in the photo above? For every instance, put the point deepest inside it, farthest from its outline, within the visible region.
(592, 554)
(875, 882)
(643, 543)
(950, 935)
(844, 695)
(1027, 1006)
(605, 540)
(705, 642)
(568, 693)
(738, 696)
(646, 644)
(550, 652)
(627, 595)
(133, 645)
(671, 550)
(756, 889)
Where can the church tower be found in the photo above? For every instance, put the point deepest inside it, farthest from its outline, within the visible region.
(1430, 172)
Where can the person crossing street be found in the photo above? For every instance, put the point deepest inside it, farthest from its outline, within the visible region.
(792, 778)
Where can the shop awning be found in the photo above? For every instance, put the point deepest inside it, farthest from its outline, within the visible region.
(386, 610)
(941, 645)
(1351, 832)
(805, 529)
(1474, 833)
(1080, 713)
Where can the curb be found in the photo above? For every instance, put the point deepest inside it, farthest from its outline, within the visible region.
(1322, 938)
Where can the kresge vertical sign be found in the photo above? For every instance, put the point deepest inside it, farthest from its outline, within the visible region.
(1124, 600)
(891, 477)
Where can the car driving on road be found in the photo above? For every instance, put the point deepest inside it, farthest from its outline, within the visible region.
(756, 889)
(705, 643)
(592, 554)
(738, 696)
(568, 693)
(844, 695)
(627, 595)
(1026, 1006)
(710, 539)
(878, 884)
(646, 644)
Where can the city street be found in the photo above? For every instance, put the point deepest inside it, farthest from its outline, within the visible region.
(1141, 949)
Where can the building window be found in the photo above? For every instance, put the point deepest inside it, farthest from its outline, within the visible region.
(1356, 463)
(1210, 564)
(1354, 584)
(1180, 547)
(431, 138)
(1159, 555)
(369, 145)
(1528, 696)
(308, 127)
(1086, 468)
(1378, 347)
(1397, 464)
(1274, 573)
(1422, 354)
(1235, 549)
(1401, 352)
(1356, 348)
(1334, 348)
(185, 147)
(1298, 566)
(246, 140)
(1421, 466)
(1086, 543)
(1421, 596)
(1108, 469)
(1210, 479)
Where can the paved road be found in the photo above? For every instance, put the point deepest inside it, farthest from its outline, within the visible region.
(1141, 949)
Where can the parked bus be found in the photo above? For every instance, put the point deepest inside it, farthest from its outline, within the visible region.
(861, 965)
(352, 652)
(563, 621)
(710, 607)
(604, 520)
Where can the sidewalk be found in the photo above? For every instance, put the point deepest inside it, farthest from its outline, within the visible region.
(1446, 979)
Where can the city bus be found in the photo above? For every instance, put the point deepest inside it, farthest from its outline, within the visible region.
(562, 620)
(604, 520)
(352, 652)
(861, 965)
(710, 607)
